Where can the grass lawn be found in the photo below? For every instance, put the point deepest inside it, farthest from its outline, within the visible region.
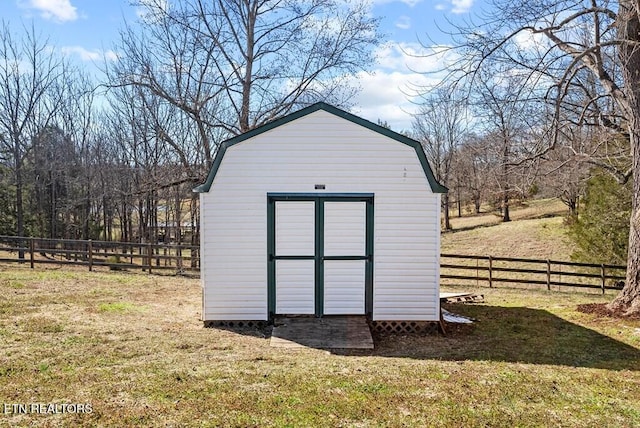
(132, 346)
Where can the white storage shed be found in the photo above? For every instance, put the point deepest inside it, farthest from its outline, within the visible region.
(320, 213)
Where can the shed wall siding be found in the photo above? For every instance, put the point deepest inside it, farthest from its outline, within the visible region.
(320, 149)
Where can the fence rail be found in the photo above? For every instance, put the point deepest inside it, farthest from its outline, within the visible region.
(115, 255)
(536, 272)
(454, 268)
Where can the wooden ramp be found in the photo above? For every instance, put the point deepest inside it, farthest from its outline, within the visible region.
(461, 297)
(329, 332)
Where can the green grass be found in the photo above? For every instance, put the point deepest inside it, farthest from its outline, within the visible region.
(530, 360)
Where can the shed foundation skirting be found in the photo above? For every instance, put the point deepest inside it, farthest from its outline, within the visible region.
(388, 327)
(405, 327)
(236, 324)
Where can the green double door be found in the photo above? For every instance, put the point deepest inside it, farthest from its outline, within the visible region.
(320, 254)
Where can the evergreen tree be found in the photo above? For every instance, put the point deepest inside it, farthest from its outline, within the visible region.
(601, 233)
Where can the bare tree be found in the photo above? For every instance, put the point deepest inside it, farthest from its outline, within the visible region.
(547, 40)
(254, 59)
(507, 123)
(473, 167)
(440, 126)
(76, 119)
(29, 73)
(165, 62)
(564, 172)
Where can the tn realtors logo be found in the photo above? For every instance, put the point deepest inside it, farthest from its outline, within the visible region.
(45, 408)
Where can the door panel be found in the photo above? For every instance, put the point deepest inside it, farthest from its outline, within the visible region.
(295, 241)
(344, 287)
(295, 287)
(344, 239)
(345, 228)
(295, 228)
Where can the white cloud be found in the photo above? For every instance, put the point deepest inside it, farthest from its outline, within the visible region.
(403, 22)
(56, 10)
(461, 6)
(383, 98)
(526, 40)
(411, 57)
(401, 68)
(89, 55)
(455, 6)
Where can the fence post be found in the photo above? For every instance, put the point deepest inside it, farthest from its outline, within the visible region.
(90, 243)
(548, 274)
(31, 251)
(490, 272)
(477, 273)
(603, 276)
(149, 250)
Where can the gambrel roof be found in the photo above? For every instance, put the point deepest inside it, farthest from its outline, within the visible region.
(436, 187)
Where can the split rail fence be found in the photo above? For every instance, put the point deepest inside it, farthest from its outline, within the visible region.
(114, 255)
(454, 268)
(492, 271)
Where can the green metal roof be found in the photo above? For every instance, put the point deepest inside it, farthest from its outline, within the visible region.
(435, 186)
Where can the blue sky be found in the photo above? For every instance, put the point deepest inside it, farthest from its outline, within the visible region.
(87, 30)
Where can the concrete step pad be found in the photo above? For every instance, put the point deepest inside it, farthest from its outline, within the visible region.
(328, 332)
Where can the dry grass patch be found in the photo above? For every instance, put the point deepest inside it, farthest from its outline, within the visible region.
(531, 360)
(533, 209)
(543, 238)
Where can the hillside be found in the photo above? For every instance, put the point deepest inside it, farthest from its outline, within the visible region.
(537, 231)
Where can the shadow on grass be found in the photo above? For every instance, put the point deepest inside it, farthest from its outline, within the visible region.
(515, 334)
(259, 331)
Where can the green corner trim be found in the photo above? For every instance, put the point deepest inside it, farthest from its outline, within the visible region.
(435, 186)
(319, 261)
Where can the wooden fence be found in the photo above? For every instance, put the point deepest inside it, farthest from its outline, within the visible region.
(491, 271)
(454, 268)
(115, 255)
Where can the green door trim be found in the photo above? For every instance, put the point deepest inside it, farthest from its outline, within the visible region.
(318, 257)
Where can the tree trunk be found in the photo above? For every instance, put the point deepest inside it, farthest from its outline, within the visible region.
(195, 230)
(19, 198)
(19, 206)
(572, 203)
(445, 206)
(505, 207)
(628, 300)
(178, 219)
(505, 174)
(247, 81)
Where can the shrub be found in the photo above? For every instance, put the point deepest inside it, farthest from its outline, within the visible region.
(113, 261)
